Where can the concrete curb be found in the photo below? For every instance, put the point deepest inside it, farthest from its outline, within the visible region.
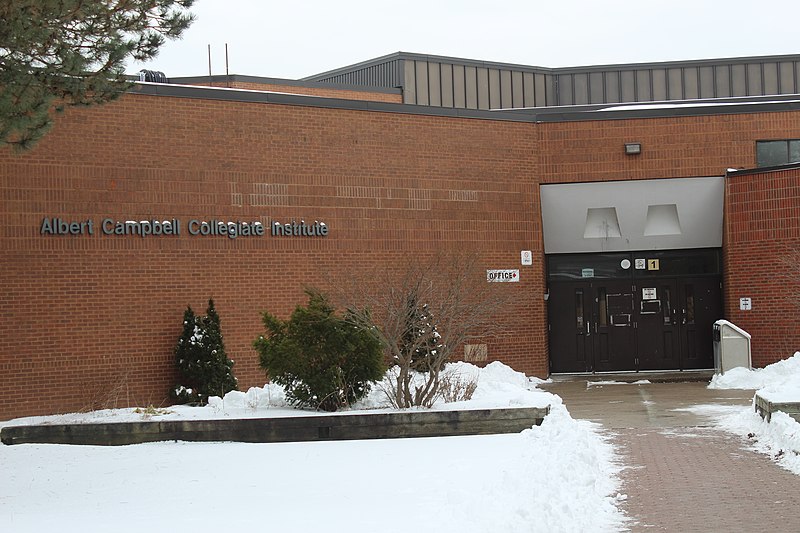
(293, 429)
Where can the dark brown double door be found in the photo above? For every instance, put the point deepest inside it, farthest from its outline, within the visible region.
(619, 325)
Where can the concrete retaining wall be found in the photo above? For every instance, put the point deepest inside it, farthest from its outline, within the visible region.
(295, 429)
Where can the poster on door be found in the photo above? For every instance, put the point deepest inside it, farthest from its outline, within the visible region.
(649, 293)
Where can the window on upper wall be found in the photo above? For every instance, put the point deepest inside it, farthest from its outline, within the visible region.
(774, 153)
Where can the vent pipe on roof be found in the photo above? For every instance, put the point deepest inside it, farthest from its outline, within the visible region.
(155, 76)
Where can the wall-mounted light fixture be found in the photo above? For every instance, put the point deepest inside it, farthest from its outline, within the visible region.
(633, 148)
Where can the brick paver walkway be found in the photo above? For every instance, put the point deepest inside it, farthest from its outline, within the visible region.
(684, 475)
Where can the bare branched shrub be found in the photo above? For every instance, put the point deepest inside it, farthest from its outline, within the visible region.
(454, 387)
(421, 312)
(110, 395)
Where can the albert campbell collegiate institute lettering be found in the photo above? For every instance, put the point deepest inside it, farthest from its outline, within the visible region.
(174, 227)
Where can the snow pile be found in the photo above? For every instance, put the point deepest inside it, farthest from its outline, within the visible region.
(778, 382)
(270, 395)
(779, 438)
(560, 476)
(498, 385)
(781, 375)
(565, 480)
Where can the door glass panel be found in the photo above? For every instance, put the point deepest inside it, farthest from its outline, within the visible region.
(689, 304)
(666, 296)
(650, 307)
(579, 308)
(603, 305)
(620, 308)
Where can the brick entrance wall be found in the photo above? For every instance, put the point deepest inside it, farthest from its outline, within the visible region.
(762, 260)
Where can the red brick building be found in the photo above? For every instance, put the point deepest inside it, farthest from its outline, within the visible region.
(92, 304)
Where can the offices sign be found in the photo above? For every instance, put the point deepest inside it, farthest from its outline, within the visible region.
(176, 227)
(502, 276)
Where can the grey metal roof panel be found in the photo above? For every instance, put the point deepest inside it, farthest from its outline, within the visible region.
(355, 66)
(555, 70)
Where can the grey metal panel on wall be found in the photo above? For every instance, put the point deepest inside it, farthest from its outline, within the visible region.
(471, 75)
(494, 88)
(596, 88)
(770, 73)
(674, 84)
(564, 83)
(529, 89)
(447, 84)
(754, 79)
(506, 99)
(659, 77)
(483, 88)
(786, 73)
(421, 75)
(459, 87)
(409, 83)
(707, 82)
(690, 87)
(722, 81)
(612, 87)
(386, 73)
(543, 90)
(517, 89)
(627, 81)
(697, 202)
(738, 80)
(643, 86)
(580, 89)
(797, 76)
(434, 84)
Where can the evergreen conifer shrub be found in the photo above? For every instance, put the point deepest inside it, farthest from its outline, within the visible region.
(322, 361)
(202, 362)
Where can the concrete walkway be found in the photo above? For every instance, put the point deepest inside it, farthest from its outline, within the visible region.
(683, 474)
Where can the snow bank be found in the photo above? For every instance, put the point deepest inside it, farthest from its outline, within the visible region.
(560, 476)
(779, 438)
(777, 376)
(778, 382)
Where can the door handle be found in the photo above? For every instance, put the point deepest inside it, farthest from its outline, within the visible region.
(588, 328)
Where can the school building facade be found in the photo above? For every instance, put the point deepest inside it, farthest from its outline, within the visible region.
(634, 204)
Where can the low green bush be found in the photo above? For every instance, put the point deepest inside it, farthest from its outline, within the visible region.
(322, 361)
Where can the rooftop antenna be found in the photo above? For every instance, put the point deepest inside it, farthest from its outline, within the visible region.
(227, 74)
(209, 64)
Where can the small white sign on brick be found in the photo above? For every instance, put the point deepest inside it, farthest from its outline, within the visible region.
(502, 276)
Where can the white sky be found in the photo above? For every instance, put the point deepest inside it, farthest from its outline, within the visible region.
(293, 39)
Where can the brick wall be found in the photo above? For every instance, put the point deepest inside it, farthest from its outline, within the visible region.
(671, 147)
(762, 260)
(89, 321)
(92, 320)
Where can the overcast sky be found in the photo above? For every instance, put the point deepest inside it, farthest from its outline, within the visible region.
(293, 39)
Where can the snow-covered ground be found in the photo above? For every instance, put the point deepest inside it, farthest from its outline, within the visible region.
(560, 476)
(779, 438)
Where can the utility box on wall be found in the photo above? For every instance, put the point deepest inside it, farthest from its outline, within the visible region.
(731, 347)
